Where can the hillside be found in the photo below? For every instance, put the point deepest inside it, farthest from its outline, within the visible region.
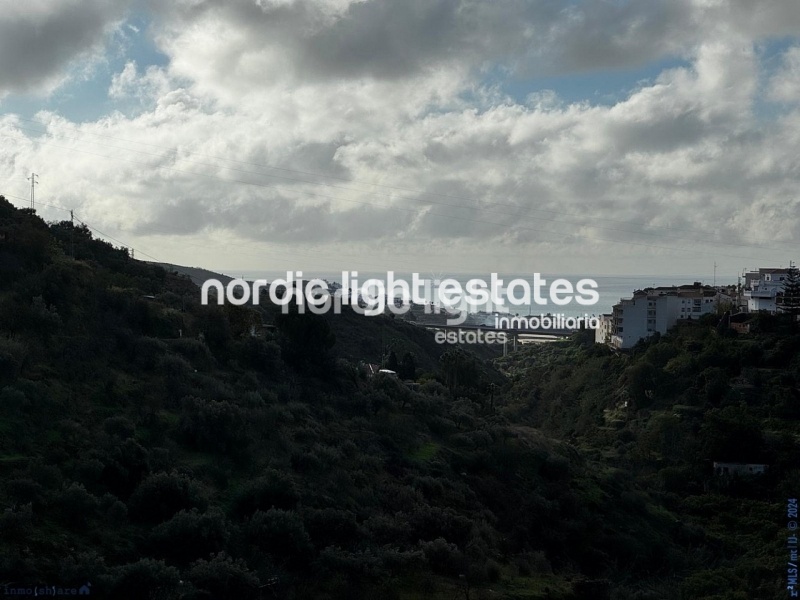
(664, 414)
(195, 274)
(153, 447)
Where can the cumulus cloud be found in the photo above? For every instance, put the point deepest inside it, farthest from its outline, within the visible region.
(143, 87)
(41, 39)
(337, 129)
(258, 43)
(784, 86)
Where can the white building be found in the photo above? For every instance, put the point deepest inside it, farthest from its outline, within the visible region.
(658, 310)
(763, 289)
(602, 335)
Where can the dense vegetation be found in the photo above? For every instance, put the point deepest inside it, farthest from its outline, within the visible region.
(158, 449)
(663, 415)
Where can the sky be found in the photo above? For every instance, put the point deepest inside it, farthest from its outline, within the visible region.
(431, 136)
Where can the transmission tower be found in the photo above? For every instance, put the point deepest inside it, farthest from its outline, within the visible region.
(33, 179)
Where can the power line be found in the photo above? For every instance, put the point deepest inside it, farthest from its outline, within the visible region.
(118, 241)
(6, 195)
(74, 217)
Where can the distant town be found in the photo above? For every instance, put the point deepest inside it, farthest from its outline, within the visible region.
(657, 309)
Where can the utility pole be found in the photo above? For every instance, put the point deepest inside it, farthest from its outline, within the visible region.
(716, 291)
(33, 180)
(72, 233)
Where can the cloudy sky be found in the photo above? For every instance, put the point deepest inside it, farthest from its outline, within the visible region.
(602, 137)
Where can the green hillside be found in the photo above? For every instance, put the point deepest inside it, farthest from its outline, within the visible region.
(155, 448)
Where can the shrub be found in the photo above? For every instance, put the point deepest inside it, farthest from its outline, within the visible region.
(274, 489)
(280, 533)
(12, 357)
(224, 577)
(16, 524)
(162, 495)
(146, 578)
(444, 558)
(195, 352)
(119, 426)
(77, 504)
(190, 535)
(213, 426)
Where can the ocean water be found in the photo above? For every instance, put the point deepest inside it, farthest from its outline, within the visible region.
(610, 288)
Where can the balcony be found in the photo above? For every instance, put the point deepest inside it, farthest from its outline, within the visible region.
(767, 294)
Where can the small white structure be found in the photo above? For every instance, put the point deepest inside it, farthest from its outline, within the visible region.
(763, 289)
(373, 370)
(602, 335)
(723, 469)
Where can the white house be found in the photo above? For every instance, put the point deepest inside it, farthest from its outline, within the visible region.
(763, 289)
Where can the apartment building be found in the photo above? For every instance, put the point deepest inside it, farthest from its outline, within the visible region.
(605, 327)
(657, 310)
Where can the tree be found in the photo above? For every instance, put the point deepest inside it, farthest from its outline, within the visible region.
(641, 382)
(274, 489)
(162, 495)
(216, 329)
(146, 578)
(392, 363)
(408, 367)
(281, 534)
(791, 292)
(306, 341)
(459, 369)
(223, 577)
(190, 535)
